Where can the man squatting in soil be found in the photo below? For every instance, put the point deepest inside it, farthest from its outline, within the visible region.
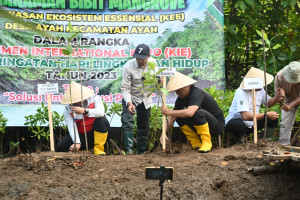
(195, 111)
(239, 121)
(287, 81)
(96, 124)
(135, 101)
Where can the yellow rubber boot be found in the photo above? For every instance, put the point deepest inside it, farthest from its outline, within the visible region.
(203, 131)
(99, 141)
(192, 136)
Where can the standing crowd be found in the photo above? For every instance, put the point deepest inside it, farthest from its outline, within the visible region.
(195, 111)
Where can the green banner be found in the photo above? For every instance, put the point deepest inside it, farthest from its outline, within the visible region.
(183, 34)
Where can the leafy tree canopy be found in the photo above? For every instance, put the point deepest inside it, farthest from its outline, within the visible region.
(279, 19)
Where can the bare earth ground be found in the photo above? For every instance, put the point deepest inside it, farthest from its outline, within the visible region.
(220, 174)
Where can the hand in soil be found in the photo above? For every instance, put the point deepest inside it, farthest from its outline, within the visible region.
(77, 147)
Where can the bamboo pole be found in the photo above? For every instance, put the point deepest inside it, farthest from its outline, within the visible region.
(254, 116)
(265, 82)
(164, 117)
(84, 127)
(50, 121)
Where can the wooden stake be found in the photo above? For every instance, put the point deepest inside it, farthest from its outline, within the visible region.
(265, 82)
(254, 116)
(116, 146)
(50, 122)
(164, 117)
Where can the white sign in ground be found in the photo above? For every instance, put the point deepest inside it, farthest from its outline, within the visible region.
(253, 83)
(169, 71)
(48, 88)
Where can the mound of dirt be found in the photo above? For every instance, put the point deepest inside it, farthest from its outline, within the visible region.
(220, 174)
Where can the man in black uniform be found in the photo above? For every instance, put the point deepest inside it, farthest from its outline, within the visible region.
(195, 111)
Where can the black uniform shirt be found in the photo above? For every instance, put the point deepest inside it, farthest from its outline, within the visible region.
(203, 100)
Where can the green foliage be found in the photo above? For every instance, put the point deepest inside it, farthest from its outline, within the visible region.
(41, 133)
(105, 107)
(151, 83)
(276, 108)
(114, 109)
(280, 23)
(265, 41)
(223, 98)
(36, 122)
(3, 122)
(155, 127)
(13, 144)
(204, 45)
(298, 116)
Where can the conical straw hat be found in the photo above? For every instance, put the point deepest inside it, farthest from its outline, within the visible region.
(257, 73)
(76, 93)
(179, 81)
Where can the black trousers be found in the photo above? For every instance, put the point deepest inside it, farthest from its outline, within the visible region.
(202, 117)
(238, 128)
(142, 118)
(101, 125)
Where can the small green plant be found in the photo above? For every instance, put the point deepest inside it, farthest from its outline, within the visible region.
(36, 123)
(155, 127)
(3, 122)
(151, 85)
(114, 109)
(12, 146)
(269, 47)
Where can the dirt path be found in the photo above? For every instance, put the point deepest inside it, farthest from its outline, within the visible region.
(220, 174)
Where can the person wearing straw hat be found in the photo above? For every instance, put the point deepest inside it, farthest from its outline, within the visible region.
(239, 121)
(288, 80)
(84, 112)
(195, 111)
(134, 101)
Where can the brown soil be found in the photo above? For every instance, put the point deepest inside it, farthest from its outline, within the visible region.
(220, 174)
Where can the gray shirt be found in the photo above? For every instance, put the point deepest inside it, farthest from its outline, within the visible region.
(132, 80)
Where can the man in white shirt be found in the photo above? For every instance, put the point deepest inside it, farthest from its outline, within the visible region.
(239, 121)
(134, 101)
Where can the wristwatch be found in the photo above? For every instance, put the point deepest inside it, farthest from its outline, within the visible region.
(86, 111)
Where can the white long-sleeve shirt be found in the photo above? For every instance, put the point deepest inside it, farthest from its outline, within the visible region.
(96, 112)
(242, 102)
